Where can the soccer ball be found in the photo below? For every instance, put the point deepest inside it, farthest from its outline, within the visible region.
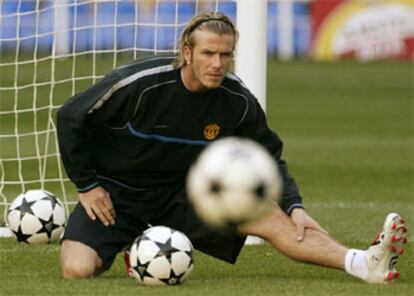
(36, 217)
(161, 256)
(233, 181)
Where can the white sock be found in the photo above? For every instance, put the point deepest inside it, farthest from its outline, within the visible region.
(356, 263)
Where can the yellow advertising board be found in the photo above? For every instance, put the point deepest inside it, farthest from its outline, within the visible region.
(362, 29)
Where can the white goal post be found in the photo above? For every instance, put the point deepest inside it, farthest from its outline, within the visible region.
(251, 53)
(52, 49)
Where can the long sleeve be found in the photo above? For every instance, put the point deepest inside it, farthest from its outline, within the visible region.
(255, 126)
(78, 119)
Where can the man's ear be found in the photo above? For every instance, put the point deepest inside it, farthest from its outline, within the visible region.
(187, 54)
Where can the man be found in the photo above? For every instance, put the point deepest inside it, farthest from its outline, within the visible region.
(128, 141)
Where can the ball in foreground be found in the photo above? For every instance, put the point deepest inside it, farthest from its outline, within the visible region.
(36, 217)
(161, 256)
(234, 181)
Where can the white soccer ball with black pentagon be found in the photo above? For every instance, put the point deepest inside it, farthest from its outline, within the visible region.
(233, 181)
(36, 217)
(161, 256)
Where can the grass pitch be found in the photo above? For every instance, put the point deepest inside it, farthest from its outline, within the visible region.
(348, 133)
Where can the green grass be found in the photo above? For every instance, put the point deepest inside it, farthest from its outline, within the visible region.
(34, 270)
(348, 133)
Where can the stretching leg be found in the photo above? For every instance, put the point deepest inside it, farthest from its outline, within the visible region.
(317, 247)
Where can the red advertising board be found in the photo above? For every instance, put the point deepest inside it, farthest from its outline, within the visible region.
(362, 29)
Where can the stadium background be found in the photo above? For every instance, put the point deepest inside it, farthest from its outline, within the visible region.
(347, 126)
(162, 13)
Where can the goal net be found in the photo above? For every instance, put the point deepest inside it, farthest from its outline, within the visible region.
(52, 49)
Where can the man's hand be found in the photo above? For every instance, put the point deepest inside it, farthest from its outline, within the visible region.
(302, 220)
(97, 203)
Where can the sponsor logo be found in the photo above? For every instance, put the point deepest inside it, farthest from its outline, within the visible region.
(364, 30)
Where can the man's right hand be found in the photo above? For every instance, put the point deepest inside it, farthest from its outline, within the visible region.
(97, 203)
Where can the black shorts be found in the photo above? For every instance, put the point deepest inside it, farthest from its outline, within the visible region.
(135, 210)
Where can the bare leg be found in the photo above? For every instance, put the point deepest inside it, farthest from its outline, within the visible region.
(317, 247)
(77, 260)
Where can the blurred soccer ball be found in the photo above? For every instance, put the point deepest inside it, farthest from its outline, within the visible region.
(234, 181)
(36, 217)
(161, 256)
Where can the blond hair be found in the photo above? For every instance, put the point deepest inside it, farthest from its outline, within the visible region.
(215, 22)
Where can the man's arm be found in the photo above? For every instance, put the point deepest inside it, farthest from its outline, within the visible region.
(255, 127)
(78, 120)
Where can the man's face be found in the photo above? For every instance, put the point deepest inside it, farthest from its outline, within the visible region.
(210, 59)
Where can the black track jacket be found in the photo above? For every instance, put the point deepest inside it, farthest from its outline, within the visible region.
(139, 126)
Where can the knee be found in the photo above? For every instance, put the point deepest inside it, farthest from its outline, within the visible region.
(78, 261)
(77, 270)
(269, 226)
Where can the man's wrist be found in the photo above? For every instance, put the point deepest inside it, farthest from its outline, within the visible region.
(292, 207)
(88, 187)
